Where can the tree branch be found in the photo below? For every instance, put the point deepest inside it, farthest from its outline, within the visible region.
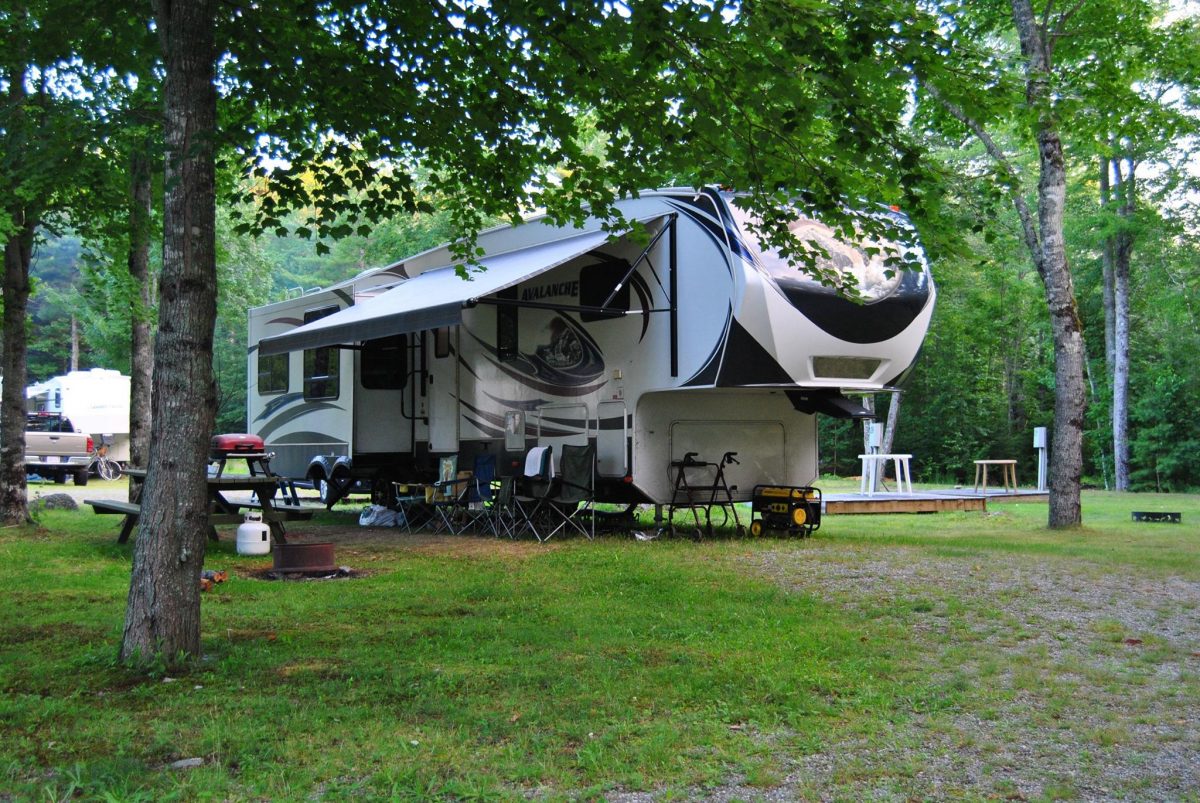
(1012, 181)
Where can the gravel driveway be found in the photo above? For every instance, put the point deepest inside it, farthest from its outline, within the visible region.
(1061, 680)
(1064, 680)
(95, 489)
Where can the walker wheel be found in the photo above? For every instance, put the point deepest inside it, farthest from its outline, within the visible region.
(756, 528)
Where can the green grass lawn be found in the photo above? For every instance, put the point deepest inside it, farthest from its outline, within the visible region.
(473, 668)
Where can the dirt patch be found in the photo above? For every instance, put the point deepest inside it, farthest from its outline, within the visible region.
(362, 541)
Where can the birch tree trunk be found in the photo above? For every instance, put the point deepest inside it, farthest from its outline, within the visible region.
(889, 432)
(1049, 254)
(141, 356)
(163, 612)
(1122, 254)
(1106, 275)
(73, 365)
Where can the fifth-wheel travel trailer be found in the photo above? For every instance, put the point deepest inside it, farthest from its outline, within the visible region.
(690, 337)
(96, 402)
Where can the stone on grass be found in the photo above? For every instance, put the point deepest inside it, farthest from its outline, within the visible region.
(56, 502)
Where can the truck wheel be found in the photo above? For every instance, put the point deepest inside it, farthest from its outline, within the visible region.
(81, 477)
(60, 478)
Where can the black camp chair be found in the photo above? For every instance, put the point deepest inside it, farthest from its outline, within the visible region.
(574, 495)
(533, 487)
(502, 510)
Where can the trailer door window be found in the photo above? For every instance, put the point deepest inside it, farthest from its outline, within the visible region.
(385, 363)
(272, 374)
(321, 366)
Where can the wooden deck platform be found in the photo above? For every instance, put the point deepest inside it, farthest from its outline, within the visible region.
(935, 501)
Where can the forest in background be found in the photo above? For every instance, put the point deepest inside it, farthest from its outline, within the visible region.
(983, 382)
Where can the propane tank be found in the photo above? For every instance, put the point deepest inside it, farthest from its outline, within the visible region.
(253, 537)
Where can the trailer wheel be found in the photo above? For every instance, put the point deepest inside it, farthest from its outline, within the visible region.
(756, 528)
(323, 489)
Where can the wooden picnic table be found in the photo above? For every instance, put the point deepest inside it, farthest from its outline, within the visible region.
(221, 508)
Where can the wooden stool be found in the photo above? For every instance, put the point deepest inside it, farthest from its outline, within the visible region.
(1008, 470)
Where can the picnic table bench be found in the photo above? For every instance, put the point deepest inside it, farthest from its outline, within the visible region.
(221, 509)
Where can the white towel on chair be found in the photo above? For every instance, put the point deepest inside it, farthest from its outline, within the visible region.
(533, 462)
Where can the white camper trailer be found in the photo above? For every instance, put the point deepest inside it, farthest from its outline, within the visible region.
(694, 339)
(96, 401)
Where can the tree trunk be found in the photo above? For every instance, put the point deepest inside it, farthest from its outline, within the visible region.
(1120, 364)
(889, 432)
(18, 251)
(1106, 275)
(1049, 254)
(141, 357)
(74, 364)
(163, 612)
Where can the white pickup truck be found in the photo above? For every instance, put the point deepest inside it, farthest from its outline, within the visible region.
(54, 450)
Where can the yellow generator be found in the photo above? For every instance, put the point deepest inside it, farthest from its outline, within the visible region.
(790, 508)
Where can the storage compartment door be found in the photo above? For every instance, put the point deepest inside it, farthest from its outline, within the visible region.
(761, 448)
(612, 439)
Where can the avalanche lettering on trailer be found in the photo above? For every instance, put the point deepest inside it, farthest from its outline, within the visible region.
(570, 288)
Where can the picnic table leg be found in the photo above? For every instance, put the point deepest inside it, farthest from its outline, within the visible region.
(278, 532)
(127, 529)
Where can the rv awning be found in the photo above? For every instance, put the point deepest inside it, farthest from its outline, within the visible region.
(432, 299)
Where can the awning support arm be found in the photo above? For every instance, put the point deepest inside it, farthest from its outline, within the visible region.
(645, 253)
(673, 269)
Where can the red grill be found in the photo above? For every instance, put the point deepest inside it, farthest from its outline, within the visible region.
(223, 446)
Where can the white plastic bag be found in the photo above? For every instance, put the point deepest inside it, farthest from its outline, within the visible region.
(378, 516)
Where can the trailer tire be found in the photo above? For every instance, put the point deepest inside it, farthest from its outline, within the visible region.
(323, 489)
(81, 477)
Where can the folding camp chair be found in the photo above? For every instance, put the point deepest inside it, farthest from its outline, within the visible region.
(449, 493)
(533, 486)
(503, 509)
(414, 507)
(478, 499)
(575, 493)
